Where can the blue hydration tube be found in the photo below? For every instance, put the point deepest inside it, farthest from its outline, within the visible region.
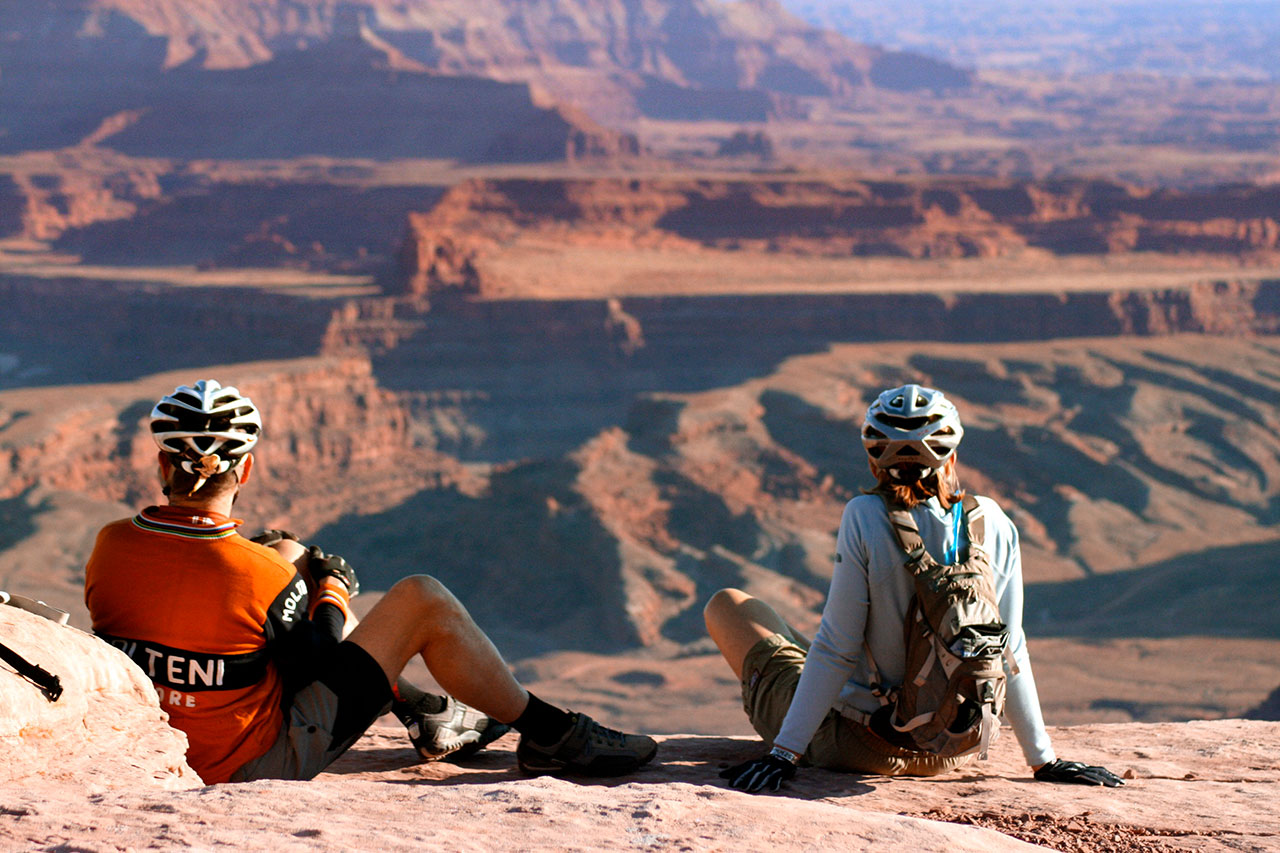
(952, 553)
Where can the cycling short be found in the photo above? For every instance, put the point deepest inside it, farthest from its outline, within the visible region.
(325, 717)
(770, 674)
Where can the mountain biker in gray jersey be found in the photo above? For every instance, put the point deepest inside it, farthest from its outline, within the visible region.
(815, 701)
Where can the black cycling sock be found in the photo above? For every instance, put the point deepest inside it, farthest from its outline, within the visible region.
(542, 723)
(410, 698)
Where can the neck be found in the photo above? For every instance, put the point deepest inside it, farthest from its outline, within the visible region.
(218, 506)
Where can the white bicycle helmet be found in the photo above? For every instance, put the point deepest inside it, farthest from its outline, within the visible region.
(207, 428)
(909, 429)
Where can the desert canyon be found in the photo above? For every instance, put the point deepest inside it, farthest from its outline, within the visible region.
(577, 306)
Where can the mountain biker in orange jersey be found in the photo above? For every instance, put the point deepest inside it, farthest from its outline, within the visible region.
(258, 659)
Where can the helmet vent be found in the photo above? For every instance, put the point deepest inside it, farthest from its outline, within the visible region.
(899, 422)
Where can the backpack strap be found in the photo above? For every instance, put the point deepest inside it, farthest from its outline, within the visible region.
(974, 521)
(908, 534)
(905, 530)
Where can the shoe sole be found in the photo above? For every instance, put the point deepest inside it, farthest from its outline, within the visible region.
(603, 772)
(466, 750)
(492, 732)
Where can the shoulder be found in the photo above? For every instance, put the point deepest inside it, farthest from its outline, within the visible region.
(117, 525)
(862, 516)
(865, 506)
(994, 513)
(116, 529)
(252, 551)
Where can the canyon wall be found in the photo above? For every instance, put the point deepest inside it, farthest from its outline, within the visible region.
(59, 331)
(645, 451)
(604, 352)
(87, 74)
(616, 59)
(918, 218)
(339, 442)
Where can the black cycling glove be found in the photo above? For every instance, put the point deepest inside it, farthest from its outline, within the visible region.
(273, 536)
(760, 773)
(322, 565)
(1077, 772)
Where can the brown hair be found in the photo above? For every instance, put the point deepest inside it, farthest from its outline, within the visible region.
(945, 485)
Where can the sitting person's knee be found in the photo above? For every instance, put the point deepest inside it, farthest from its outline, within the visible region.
(722, 602)
(425, 591)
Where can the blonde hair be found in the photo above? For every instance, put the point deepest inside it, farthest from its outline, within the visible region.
(945, 485)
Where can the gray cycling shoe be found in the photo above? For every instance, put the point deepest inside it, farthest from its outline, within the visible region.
(457, 732)
(588, 749)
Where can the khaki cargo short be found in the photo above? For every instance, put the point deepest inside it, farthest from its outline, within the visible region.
(324, 718)
(770, 674)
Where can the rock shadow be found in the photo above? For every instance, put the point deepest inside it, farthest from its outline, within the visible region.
(529, 559)
(544, 377)
(67, 332)
(650, 424)
(17, 519)
(1040, 462)
(832, 444)
(1222, 592)
(971, 379)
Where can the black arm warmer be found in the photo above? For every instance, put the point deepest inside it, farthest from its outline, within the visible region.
(329, 619)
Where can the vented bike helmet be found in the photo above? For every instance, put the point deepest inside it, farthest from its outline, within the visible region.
(206, 428)
(910, 429)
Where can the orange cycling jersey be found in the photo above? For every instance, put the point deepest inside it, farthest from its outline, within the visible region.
(198, 607)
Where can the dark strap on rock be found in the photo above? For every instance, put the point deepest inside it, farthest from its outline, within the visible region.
(50, 685)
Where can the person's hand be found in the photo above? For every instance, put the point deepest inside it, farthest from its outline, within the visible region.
(753, 776)
(322, 565)
(1077, 772)
(273, 537)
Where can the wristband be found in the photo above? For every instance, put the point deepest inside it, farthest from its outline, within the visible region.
(785, 754)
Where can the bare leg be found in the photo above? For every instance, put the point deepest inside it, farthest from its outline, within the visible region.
(467, 655)
(737, 621)
(420, 616)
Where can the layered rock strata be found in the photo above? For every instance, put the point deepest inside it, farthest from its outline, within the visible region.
(940, 217)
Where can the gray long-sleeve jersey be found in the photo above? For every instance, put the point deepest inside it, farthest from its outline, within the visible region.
(870, 592)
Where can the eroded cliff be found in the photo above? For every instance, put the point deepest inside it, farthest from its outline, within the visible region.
(919, 218)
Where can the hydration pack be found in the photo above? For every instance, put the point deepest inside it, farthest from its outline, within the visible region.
(953, 687)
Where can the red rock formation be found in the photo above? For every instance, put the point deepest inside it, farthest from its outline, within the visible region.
(601, 54)
(943, 217)
(339, 89)
(339, 443)
(49, 195)
(431, 261)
